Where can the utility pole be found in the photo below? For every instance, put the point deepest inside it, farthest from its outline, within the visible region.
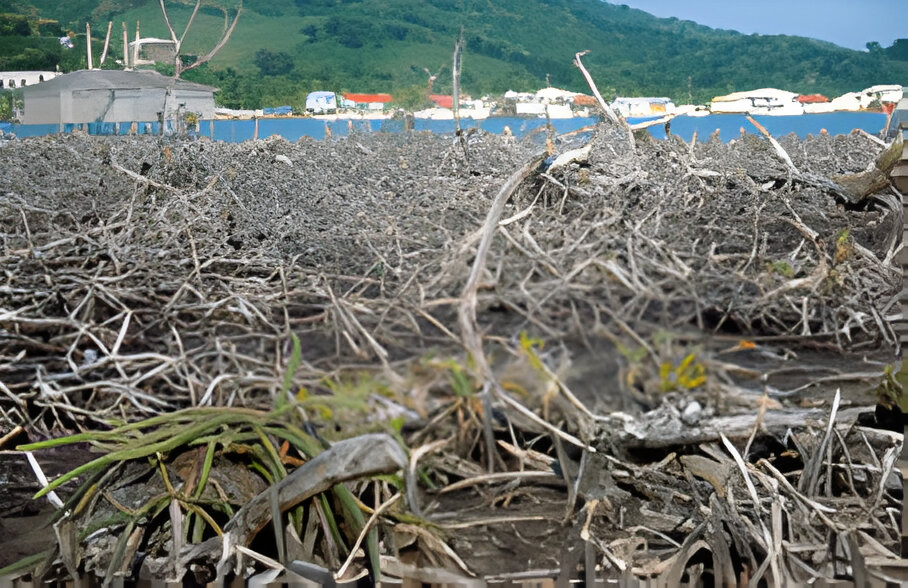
(88, 44)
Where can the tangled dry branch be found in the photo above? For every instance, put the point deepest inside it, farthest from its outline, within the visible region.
(143, 275)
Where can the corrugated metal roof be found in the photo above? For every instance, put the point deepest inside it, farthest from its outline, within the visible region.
(117, 80)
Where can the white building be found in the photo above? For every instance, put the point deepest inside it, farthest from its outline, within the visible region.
(321, 102)
(530, 108)
(883, 93)
(150, 50)
(20, 79)
(643, 107)
(555, 96)
(519, 96)
(769, 101)
(114, 96)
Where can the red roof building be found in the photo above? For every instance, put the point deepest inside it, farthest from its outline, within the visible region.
(442, 101)
(812, 99)
(368, 98)
(584, 100)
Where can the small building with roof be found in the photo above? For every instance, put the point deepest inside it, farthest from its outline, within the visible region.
(442, 100)
(151, 50)
(321, 102)
(552, 95)
(367, 101)
(643, 107)
(88, 96)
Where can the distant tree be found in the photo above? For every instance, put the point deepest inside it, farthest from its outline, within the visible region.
(874, 47)
(49, 28)
(31, 58)
(898, 50)
(10, 101)
(311, 31)
(412, 98)
(14, 25)
(6, 106)
(273, 64)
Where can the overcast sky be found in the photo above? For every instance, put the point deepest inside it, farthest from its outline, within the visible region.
(849, 23)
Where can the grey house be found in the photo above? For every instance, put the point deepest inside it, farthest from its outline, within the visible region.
(114, 96)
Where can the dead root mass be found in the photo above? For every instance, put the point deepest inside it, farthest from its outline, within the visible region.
(657, 324)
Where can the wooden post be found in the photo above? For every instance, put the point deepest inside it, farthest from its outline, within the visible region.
(255, 132)
(456, 82)
(106, 43)
(88, 44)
(135, 50)
(125, 48)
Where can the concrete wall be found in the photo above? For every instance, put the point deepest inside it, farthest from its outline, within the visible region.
(114, 105)
(40, 110)
(201, 103)
(161, 52)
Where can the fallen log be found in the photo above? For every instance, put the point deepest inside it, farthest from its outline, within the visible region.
(877, 178)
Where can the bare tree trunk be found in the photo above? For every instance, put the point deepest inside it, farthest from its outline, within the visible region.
(432, 77)
(178, 43)
(456, 82)
(632, 143)
(228, 30)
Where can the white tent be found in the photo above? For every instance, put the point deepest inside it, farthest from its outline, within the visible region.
(321, 102)
(554, 95)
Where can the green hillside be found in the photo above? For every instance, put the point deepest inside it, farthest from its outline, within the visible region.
(282, 49)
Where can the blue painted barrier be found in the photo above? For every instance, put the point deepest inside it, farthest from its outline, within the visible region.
(292, 129)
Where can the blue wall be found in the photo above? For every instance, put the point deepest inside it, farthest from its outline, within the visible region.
(292, 129)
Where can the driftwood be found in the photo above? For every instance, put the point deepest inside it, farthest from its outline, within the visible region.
(659, 429)
(851, 188)
(351, 459)
(875, 179)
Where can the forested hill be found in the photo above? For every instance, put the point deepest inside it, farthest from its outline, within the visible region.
(284, 48)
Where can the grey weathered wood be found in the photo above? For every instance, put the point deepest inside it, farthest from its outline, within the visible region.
(351, 459)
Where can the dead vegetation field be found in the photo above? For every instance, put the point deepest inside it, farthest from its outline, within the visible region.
(441, 359)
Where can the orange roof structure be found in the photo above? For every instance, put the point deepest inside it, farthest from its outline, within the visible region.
(812, 99)
(367, 98)
(442, 100)
(584, 100)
